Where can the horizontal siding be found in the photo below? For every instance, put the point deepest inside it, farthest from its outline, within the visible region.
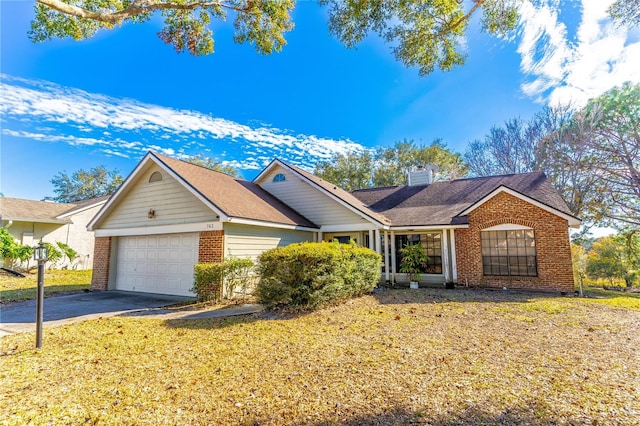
(309, 201)
(172, 202)
(250, 241)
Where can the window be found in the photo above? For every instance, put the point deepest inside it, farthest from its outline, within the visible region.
(343, 239)
(279, 178)
(432, 244)
(155, 177)
(509, 253)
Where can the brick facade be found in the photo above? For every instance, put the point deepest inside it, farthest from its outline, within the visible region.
(553, 250)
(210, 246)
(101, 263)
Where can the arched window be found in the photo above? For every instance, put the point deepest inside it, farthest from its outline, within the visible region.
(279, 178)
(155, 177)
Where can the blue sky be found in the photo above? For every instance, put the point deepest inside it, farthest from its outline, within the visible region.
(66, 105)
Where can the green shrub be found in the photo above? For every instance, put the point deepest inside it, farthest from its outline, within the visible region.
(212, 281)
(310, 275)
(208, 281)
(12, 251)
(238, 274)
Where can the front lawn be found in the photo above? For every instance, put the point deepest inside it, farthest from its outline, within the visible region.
(427, 356)
(14, 288)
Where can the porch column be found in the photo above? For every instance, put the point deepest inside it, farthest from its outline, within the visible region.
(372, 245)
(378, 243)
(386, 256)
(454, 267)
(319, 236)
(393, 256)
(445, 255)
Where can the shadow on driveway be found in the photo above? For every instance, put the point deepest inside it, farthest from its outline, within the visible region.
(20, 317)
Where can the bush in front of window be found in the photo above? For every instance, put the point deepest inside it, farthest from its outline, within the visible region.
(213, 280)
(311, 275)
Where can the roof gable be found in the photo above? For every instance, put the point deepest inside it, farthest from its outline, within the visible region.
(337, 194)
(227, 196)
(572, 220)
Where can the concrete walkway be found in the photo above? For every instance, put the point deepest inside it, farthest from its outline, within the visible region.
(20, 317)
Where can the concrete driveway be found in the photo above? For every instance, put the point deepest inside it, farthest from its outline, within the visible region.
(19, 317)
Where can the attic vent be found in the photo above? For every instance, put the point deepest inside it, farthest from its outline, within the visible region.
(279, 178)
(422, 175)
(155, 177)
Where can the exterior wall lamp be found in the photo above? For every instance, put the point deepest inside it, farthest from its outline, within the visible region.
(40, 254)
(151, 214)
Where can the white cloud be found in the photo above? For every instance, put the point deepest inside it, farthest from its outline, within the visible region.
(110, 124)
(572, 68)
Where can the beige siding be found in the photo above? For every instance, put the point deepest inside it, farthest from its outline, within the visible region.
(249, 241)
(308, 200)
(173, 204)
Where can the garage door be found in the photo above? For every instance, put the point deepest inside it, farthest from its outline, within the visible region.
(157, 263)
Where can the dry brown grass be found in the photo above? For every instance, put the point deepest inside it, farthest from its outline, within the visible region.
(403, 357)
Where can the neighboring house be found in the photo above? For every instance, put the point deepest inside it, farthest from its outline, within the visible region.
(501, 231)
(30, 222)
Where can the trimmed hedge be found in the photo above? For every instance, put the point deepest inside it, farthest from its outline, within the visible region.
(310, 275)
(231, 275)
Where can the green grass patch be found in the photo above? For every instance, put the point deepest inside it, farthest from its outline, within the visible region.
(425, 356)
(13, 289)
(616, 299)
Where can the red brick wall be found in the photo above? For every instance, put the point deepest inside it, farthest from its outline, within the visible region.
(555, 272)
(210, 246)
(101, 260)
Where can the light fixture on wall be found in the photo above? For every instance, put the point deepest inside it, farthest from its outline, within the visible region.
(151, 214)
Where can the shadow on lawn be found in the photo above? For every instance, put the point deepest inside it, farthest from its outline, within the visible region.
(535, 413)
(219, 322)
(458, 295)
(388, 297)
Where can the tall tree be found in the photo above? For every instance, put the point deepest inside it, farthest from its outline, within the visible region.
(83, 184)
(505, 150)
(547, 143)
(611, 126)
(389, 166)
(606, 260)
(353, 170)
(202, 161)
(423, 33)
(567, 163)
(616, 256)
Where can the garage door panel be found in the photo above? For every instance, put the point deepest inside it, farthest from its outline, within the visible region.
(157, 263)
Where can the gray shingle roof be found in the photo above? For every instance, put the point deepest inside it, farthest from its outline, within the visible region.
(235, 197)
(22, 210)
(440, 203)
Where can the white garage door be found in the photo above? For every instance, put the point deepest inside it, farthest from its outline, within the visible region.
(157, 263)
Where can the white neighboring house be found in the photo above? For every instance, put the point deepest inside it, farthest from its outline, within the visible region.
(30, 221)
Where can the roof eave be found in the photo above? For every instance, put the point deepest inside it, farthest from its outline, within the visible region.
(32, 220)
(571, 220)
